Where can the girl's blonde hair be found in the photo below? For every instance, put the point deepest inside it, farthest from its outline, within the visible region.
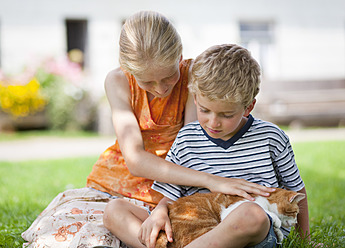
(226, 73)
(147, 40)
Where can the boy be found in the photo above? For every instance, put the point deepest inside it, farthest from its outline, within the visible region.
(227, 141)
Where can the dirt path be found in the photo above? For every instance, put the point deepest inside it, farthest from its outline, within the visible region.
(54, 147)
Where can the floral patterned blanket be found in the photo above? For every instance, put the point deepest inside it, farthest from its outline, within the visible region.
(74, 219)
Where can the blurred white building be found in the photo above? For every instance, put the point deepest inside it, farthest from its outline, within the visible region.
(292, 40)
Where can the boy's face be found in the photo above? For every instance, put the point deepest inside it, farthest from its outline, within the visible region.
(221, 120)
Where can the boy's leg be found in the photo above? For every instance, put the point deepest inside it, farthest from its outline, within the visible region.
(247, 225)
(124, 220)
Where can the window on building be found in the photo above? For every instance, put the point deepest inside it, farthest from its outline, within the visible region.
(258, 37)
(76, 33)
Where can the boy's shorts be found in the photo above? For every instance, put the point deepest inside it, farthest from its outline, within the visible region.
(270, 240)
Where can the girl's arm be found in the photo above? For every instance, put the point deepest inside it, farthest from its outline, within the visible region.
(144, 164)
(303, 216)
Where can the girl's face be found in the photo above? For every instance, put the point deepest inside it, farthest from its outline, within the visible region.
(221, 120)
(159, 81)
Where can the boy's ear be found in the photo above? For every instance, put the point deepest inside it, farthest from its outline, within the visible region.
(249, 108)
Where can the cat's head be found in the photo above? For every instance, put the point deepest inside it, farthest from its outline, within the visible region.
(286, 204)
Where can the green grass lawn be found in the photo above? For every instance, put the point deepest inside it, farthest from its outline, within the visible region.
(322, 166)
(26, 188)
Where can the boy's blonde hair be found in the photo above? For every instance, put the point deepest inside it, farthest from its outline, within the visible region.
(147, 40)
(227, 73)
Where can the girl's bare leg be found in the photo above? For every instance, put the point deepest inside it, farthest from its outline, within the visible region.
(124, 220)
(247, 225)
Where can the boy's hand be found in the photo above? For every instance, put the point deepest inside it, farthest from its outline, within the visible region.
(240, 187)
(158, 220)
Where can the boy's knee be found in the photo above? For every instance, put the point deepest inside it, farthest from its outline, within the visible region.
(254, 219)
(258, 220)
(111, 210)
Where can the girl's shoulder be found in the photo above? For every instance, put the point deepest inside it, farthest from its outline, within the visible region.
(186, 66)
(116, 76)
(116, 79)
(116, 87)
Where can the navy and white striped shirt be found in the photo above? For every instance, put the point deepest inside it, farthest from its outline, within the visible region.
(260, 153)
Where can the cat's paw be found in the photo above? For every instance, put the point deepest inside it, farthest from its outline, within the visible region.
(275, 219)
(279, 234)
(162, 240)
(277, 223)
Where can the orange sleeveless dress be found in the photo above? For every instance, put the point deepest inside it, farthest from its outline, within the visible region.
(159, 121)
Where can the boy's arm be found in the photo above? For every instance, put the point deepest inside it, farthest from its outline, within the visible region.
(302, 225)
(158, 220)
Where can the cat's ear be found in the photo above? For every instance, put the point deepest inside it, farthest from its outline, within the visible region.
(297, 197)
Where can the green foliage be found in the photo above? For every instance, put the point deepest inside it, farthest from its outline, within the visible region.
(63, 96)
(26, 188)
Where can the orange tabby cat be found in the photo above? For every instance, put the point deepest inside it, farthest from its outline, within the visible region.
(194, 215)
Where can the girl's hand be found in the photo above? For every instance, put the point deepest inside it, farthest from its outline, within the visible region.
(158, 220)
(240, 187)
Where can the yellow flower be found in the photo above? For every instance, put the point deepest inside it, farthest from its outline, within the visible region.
(21, 100)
